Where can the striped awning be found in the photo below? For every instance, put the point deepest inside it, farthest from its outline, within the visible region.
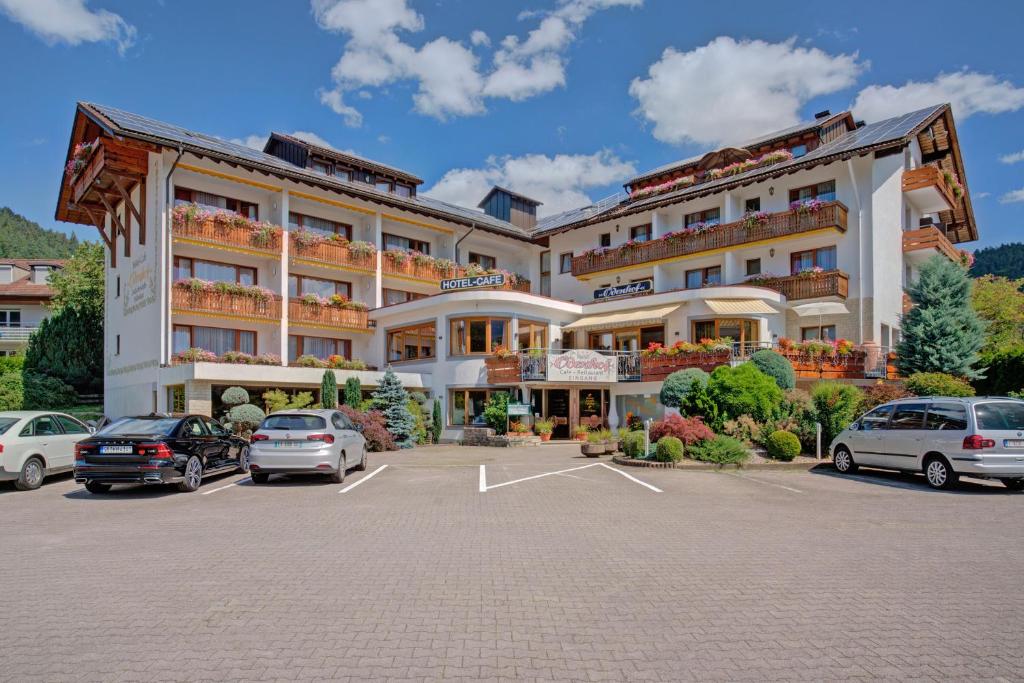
(608, 321)
(739, 306)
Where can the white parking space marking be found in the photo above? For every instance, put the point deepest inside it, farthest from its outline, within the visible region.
(221, 488)
(483, 479)
(367, 477)
(632, 478)
(766, 483)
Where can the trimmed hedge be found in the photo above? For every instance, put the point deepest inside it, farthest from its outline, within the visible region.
(776, 366)
(782, 445)
(745, 390)
(937, 384)
(678, 384)
(669, 449)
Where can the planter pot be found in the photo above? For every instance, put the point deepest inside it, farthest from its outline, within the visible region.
(611, 446)
(545, 437)
(580, 437)
(592, 450)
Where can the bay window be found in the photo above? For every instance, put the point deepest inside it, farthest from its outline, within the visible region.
(532, 335)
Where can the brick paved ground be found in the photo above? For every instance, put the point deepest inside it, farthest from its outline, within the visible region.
(415, 574)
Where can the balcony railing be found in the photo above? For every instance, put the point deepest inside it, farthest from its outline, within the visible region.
(16, 334)
(326, 316)
(332, 253)
(808, 285)
(223, 234)
(231, 305)
(782, 224)
(930, 238)
(927, 188)
(531, 365)
(431, 271)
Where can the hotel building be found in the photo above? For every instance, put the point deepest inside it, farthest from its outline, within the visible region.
(297, 255)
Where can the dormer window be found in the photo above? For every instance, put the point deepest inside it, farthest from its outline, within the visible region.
(384, 186)
(403, 190)
(321, 167)
(342, 174)
(798, 150)
(6, 274)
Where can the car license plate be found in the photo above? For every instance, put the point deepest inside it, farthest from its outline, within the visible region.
(1014, 443)
(116, 450)
(287, 444)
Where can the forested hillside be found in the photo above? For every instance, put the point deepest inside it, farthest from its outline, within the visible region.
(1006, 260)
(21, 238)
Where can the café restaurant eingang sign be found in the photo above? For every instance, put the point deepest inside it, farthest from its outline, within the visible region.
(581, 365)
(492, 280)
(628, 289)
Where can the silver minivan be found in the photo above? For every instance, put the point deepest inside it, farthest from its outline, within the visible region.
(306, 441)
(943, 437)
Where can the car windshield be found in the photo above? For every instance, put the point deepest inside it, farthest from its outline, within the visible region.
(6, 422)
(295, 423)
(140, 425)
(1004, 415)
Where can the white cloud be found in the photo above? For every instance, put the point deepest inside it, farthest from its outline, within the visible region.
(731, 90)
(968, 91)
(70, 21)
(1012, 197)
(1012, 158)
(560, 182)
(450, 79)
(252, 141)
(981, 195)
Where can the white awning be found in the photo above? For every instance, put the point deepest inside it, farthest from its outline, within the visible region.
(739, 306)
(820, 308)
(640, 316)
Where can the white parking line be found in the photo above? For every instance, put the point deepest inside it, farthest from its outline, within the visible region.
(368, 476)
(221, 488)
(765, 483)
(483, 477)
(631, 477)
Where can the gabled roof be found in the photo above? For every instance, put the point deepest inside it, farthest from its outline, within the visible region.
(347, 158)
(23, 287)
(499, 188)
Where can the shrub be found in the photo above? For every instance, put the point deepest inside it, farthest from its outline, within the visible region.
(722, 450)
(744, 428)
(800, 417)
(877, 394)
(669, 449)
(633, 445)
(308, 361)
(496, 412)
(687, 429)
(378, 438)
(835, 407)
(245, 417)
(937, 384)
(1004, 372)
(782, 445)
(419, 433)
(744, 390)
(12, 391)
(42, 392)
(353, 392)
(677, 385)
(775, 366)
(698, 403)
(234, 396)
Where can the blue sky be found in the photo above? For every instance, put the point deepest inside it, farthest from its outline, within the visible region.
(561, 99)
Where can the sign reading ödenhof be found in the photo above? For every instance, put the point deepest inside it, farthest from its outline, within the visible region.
(581, 365)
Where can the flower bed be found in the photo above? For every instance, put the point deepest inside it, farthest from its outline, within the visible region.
(225, 227)
(197, 355)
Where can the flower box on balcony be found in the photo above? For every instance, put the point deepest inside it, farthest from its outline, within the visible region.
(225, 298)
(336, 312)
(310, 246)
(223, 229)
(827, 366)
(503, 369)
(655, 368)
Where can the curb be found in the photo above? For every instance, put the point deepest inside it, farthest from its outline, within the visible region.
(712, 467)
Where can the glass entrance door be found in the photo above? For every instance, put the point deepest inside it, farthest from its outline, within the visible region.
(557, 410)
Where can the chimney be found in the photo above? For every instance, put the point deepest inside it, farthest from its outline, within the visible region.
(822, 115)
(510, 207)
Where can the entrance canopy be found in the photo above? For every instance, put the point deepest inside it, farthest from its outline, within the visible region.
(608, 321)
(739, 306)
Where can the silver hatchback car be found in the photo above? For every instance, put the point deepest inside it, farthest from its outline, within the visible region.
(306, 441)
(943, 437)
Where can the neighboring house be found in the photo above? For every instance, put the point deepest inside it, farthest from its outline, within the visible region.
(277, 255)
(24, 295)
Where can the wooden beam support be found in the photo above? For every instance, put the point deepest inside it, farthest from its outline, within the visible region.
(120, 226)
(130, 206)
(99, 223)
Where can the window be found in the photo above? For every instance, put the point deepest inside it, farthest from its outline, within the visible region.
(214, 427)
(824, 192)
(399, 243)
(342, 174)
(753, 266)
(876, 419)
(824, 258)
(44, 425)
(6, 274)
(214, 202)
(341, 421)
(545, 272)
(1001, 416)
(565, 262)
(71, 426)
(484, 261)
(752, 205)
(703, 277)
(117, 345)
(213, 271)
(948, 416)
(477, 335)
(532, 335)
(740, 330)
(294, 423)
(193, 427)
(627, 339)
(321, 225)
(908, 416)
(10, 318)
(299, 285)
(216, 340)
(606, 239)
(467, 406)
(411, 343)
(818, 333)
(321, 167)
(403, 190)
(640, 233)
(886, 336)
(798, 150)
(320, 347)
(118, 285)
(708, 217)
(384, 186)
(398, 296)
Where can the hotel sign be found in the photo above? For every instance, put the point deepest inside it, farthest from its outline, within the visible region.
(493, 280)
(581, 365)
(629, 289)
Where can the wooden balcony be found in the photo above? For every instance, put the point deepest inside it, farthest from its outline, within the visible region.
(333, 255)
(810, 285)
(225, 235)
(328, 317)
(930, 240)
(831, 215)
(926, 189)
(226, 305)
(110, 159)
(432, 272)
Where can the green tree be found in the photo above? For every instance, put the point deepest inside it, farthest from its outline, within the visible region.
(353, 392)
(1000, 303)
(1006, 260)
(496, 412)
(80, 283)
(66, 346)
(392, 399)
(941, 333)
(435, 435)
(22, 238)
(329, 390)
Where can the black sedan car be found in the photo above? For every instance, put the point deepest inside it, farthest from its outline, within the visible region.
(156, 449)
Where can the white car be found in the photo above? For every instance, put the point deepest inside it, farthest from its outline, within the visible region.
(35, 444)
(301, 441)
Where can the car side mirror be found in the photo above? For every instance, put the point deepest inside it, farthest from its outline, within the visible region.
(854, 427)
(359, 427)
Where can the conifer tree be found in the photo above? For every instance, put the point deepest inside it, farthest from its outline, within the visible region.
(329, 390)
(353, 392)
(392, 399)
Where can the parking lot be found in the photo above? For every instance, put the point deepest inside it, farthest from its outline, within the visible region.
(437, 568)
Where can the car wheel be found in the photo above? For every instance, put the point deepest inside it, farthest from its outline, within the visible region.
(97, 487)
(339, 476)
(193, 475)
(843, 460)
(259, 477)
(939, 474)
(243, 459)
(31, 476)
(1013, 484)
(364, 462)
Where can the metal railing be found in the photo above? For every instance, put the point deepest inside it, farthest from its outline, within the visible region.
(16, 333)
(533, 364)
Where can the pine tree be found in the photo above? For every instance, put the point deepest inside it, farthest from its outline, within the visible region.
(942, 332)
(353, 392)
(435, 431)
(392, 399)
(329, 390)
